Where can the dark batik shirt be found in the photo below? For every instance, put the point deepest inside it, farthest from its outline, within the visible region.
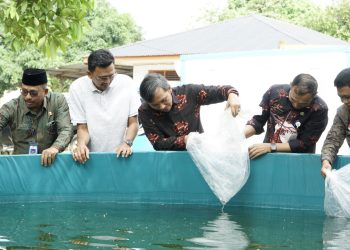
(167, 130)
(301, 128)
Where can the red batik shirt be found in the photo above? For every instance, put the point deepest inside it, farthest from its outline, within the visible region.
(301, 128)
(167, 130)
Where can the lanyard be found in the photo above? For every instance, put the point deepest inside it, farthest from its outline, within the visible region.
(275, 137)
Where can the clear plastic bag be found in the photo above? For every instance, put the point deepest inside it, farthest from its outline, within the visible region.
(336, 234)
(221, 156)
(337, 192)
(221, 233)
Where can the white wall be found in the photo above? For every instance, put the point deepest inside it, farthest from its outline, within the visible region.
(252, 73)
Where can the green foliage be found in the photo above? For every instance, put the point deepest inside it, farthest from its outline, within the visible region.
(59, 85)
(48, 24)
(296, 11)
(12, 64)
(105, 28)
(10, 71)
(333, 20)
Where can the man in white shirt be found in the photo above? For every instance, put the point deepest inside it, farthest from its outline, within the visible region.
(104, 107)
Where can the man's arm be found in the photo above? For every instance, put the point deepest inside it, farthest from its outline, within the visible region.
(133, 128)
(3, 120)
(333, 142)
(81, 152)
(255, 126)
(6, 113)
(326, 165)
(259, 149)
(233, 103)
(249, 131)
(206, 95)
(125, 148)
(64, 131)
(307, 138)
(64, 125)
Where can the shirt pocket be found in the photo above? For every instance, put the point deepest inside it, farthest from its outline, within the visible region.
(50, 132)
(51, 127)
(47, 133)
(23, 132)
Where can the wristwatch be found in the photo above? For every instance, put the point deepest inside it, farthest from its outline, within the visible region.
(128, 142)
(273, 147)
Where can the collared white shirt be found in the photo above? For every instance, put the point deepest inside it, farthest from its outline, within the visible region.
(105, 112)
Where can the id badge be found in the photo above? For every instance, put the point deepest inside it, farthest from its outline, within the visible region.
(33, 148)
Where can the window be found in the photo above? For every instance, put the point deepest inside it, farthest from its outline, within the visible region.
(170, 75)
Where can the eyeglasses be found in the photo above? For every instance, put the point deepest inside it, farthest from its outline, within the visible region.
(105, 78)
(32, 93)
(345, 97)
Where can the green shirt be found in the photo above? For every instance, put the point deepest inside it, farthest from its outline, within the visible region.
(339, 131)
(51, 126)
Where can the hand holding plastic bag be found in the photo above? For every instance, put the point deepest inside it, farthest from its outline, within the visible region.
(221, 157)
(337, 192)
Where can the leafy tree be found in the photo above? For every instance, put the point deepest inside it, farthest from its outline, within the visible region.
(295, 11)
(106, 29)
(59, 85)
(48, 24)
(9, 70)
(333, 20)
(12, 64)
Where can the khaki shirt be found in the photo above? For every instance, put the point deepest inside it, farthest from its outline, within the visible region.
(337, 134)
(49, 127)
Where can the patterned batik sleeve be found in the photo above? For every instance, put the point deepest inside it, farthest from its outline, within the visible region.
(206, 95)
(156, 137)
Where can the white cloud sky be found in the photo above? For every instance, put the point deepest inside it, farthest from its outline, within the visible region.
(164, 17)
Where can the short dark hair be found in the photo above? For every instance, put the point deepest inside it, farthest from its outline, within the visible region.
(100, 58)
(306, 84)
(343, 78)
(150, 83)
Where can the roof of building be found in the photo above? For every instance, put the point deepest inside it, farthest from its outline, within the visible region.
(253, 32)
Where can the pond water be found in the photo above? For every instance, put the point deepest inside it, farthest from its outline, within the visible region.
(88, 225)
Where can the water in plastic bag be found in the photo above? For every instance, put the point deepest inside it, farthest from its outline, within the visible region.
(221, 157)
(337, 192)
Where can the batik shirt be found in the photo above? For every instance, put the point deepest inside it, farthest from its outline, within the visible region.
(301, 128)
(339, 131)
(167, 130)
(50, 127)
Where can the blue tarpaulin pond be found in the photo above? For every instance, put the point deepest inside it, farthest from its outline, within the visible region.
(278, 180)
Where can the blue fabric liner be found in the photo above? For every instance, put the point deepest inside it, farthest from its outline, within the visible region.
(277, 180)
